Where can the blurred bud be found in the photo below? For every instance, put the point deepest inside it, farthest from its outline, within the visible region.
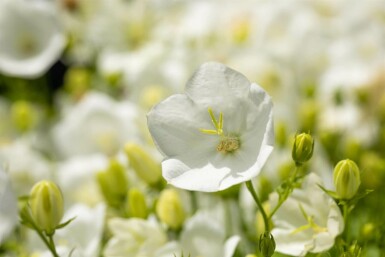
(308, 115)
(280, 134)
(169, 209)
(137, 206)
(152, 95)
(251, 255)
(368, 231)
(23, 115)
(47, 206)
(143, 164)
(77, 80)
(374, 164)
(303, 148)
(241, 31)
(346, 179)
(113, 78)
(266, 244)
(353, 149)
(113, 183)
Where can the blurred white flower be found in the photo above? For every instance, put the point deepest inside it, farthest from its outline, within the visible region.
(97, 124)
(31, 38)
(26, 166)
(134, 238)
(8, 206)
(308, 221)
(76, 178)
(205, 235)
(83, 234)
(229, 144)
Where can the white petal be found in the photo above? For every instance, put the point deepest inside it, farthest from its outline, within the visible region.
(231, 245)
(215, 83)
(175, 125)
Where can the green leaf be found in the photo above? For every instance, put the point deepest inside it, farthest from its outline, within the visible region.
(64, 224)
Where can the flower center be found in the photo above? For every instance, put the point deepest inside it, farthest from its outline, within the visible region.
(227, 143)
(310, 224)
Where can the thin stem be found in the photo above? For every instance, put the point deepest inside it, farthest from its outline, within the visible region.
(346, 220)
(250, 187)
(53, 248)
(291, 181)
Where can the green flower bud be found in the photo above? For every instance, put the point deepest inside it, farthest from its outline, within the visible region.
(266, 244)
(143, 164)
(47, 206)
(137, 206)
(346, 179)
(169, 209)
(23, 115)
(77, 81)
(251, 255)
(303, 148)
(113, 183)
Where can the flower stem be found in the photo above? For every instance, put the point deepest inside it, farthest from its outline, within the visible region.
(251, 189)
(52, 244)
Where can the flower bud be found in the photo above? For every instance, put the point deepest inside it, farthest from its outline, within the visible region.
(113, 183)
(251, 255)
(266, 244)
(47, 207)
(143, 164)
(346, 179)
(302, 148)
(137, 206)
(169, 209)
(23, 115)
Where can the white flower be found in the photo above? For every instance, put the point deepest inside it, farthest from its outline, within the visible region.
(219, 133)
(134, 238)
(97, 124)
(31, 39)
(26, 166)
(204, 235)
(8, 206)
(308, 221)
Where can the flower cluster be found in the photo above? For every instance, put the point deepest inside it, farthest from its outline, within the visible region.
(192, 128)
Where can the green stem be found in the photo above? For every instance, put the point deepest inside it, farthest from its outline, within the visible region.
(250, 187)
(346, 220)
(53, 248)
(291, 181)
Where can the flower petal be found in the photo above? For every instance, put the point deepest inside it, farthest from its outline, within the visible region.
(215, 83)
(175, 125)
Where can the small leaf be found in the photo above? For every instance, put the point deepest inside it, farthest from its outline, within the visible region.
(65, 223)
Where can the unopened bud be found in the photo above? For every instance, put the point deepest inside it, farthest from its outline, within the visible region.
(113, 183)
(137, 206)
(346, 179)
(303, 148)
(23, 115)
(170, 210)
(143, 164)
(251, 255)
(266, 244)
(47, 206)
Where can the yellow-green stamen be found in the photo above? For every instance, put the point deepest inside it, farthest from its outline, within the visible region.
(228, 143)
(311, 224)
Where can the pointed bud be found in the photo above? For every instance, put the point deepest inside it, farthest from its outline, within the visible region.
(169, 209)
(266, 244)
(47, 207)
(143, 164)
(346, 179)
(137, 206)
(303, 148)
